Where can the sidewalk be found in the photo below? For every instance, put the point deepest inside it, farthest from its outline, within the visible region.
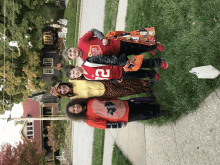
(193, 140)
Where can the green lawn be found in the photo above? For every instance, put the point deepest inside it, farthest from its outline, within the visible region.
(72, 14)
(118, 158)
(189, 30)
(98, 146)
(111, 10)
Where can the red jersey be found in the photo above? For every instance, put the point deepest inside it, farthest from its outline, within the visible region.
(101, 72)
(92, 46)
(98, 112)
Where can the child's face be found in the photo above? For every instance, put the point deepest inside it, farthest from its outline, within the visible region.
(75, 73)
(73, 53)
(77, 108)
(63, 89)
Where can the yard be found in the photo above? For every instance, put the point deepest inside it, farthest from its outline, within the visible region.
(189, 32)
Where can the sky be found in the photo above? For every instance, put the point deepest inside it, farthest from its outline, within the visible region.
(8, 131)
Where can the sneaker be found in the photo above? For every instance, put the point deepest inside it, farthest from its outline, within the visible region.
(164, 65)
(157, 76)
(160, 47)
(153, 52)
(162, 113)
(153, 82)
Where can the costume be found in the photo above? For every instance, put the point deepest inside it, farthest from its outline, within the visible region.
(112, 113)
(125, 88)
(111, 72)
(87, 89)
(107, 90)
(92, 46)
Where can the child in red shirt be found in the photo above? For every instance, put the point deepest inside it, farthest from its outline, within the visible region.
(94, 71)
(89, 46)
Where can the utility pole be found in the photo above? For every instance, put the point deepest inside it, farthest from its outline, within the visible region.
(36, 118)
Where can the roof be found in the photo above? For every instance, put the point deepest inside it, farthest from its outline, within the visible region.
(31, 107)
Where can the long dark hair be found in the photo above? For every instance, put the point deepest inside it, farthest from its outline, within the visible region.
(54, 92)
(80, 116)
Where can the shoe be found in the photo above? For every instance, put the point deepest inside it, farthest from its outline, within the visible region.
(162, 113)
(153, 82)
(157, 76)
(160, 47)
(153, 52)
(164, 65)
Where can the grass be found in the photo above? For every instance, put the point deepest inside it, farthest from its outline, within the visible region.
(189, 32)
(72, 14)
(111, 9)
(98, 146)
(118, 158)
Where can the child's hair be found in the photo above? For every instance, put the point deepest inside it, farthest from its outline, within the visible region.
(67, 69)
(65, 54)
(54, 92)
(73, 116)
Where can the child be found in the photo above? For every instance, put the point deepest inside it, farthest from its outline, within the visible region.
(112, 113)
(124, 43)
(104, 89)
(93, 71)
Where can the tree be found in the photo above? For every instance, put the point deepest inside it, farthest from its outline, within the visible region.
(24, 153)
(24, 26)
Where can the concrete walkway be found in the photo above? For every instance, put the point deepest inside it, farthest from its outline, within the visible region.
(91, 16)
(193, 140)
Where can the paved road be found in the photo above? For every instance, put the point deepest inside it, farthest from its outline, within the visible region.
(91, 16)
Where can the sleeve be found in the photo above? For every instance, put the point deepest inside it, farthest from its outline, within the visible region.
(98, 34)
(98, 123)
(87, 36)
(108, 60)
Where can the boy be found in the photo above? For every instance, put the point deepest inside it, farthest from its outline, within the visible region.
(93, 71)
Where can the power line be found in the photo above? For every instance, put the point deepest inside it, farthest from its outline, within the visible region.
(12, 55)
(4, 57)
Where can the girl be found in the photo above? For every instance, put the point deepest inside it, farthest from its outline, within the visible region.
(104, 89)
(114, 113)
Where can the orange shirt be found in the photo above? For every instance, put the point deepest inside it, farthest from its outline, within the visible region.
(97, 112)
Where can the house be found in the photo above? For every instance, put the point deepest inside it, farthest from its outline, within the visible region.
(38, 129)
(52, 54)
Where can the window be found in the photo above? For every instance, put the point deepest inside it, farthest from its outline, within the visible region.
(48, 71)
(48, 61)
(48, 38)
(47, 111)
(30, 132)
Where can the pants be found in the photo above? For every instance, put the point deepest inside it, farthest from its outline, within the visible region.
(129, 48)
(142, 111)
(147, 63)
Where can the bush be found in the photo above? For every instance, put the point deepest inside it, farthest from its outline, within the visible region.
(56, 134)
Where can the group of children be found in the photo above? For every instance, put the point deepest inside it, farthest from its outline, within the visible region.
(106, 62)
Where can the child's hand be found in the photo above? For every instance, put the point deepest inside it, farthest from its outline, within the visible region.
(105, 42)
(127, 64)
(119, 81)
